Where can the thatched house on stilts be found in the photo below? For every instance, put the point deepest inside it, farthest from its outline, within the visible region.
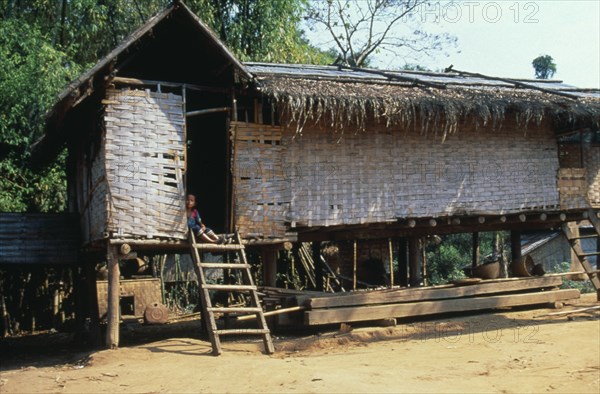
(311, 153)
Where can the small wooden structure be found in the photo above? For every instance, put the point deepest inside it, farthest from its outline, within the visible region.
(310, 153)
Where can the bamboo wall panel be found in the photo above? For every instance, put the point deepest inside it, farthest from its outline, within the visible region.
(382, 174)
(145, 292)
(573, 186)
(144, 164)
(261, 192)
(38, 238)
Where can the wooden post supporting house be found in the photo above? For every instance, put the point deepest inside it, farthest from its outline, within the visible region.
(415, 260)
(113, 313)
(475, 257)
(269, 260)
(403, 261)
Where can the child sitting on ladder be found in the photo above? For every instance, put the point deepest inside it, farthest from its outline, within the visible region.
(195, 222)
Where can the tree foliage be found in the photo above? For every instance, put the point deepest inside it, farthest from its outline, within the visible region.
(544, 67)
(359, 29)
(447, 259)
(261, 30)
(31, 73)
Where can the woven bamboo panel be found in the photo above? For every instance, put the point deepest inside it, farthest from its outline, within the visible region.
(573, 187)
(145, 292)
(96, 213)
(592, 164)
(380, 174)
(261, 194)
(144, 164)
(319, 178)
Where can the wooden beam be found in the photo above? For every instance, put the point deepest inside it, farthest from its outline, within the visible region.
(207, 111)
(149, 82)
(389, 296)
(364, 313)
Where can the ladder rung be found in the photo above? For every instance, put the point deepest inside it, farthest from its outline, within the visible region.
(224, 265)
(243, 331)
(583, 237)
(229, 287)
(245, 309)
(218, 247)
(589, 254)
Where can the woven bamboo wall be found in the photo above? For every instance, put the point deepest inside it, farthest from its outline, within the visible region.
(260, 187)
(381, 174)
(573, 187)
(143, 160)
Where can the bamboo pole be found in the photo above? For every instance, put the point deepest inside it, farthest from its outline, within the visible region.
(273, 313)
(354, 268)
(391, 262)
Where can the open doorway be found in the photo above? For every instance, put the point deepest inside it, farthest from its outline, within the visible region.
(207, 167)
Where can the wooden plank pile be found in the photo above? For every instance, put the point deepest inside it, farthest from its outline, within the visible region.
(405, 302)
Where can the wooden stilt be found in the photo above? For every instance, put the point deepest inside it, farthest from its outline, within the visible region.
(403, 262)
(475, 259)
(354, 268)
(113, 312)
(269, 260)
(415, 255)
(391, 253)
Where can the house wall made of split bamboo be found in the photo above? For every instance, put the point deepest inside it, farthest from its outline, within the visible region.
(284, 179)
(133, 185)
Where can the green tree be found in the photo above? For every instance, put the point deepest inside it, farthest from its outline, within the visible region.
(32, 72)
(544, 67)
(261, 30)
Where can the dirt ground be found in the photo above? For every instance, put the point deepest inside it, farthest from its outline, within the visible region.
(510, 351)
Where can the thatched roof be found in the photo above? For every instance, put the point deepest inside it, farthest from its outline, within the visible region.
(345, 96)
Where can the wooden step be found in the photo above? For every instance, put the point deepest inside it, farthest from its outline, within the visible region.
(230, 266)
(243, 331)
(236, 309)
(583, 237)
(230, 287)
(589, 254)
(218, 247)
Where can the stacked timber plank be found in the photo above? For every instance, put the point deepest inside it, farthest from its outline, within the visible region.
(404, 302)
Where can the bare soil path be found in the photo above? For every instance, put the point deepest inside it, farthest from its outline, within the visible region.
(516, 351)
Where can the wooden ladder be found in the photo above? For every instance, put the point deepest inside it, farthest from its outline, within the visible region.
(209, 311)
(575, 242)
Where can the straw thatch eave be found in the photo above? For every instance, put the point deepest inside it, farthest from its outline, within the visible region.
(340, 104)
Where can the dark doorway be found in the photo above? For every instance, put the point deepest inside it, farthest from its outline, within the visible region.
(207, 167)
